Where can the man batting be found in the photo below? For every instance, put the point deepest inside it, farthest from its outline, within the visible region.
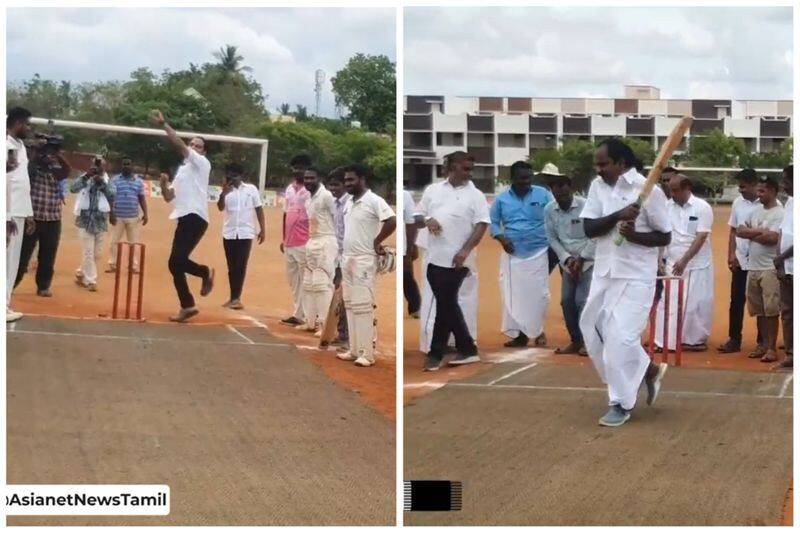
(623, 282)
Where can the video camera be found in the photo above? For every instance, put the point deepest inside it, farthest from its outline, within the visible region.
(52, 142)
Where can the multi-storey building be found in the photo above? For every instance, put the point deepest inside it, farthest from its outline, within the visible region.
(498, 131)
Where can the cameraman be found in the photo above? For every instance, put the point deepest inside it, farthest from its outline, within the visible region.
(19, 213)
(47, 171)
(92, 215)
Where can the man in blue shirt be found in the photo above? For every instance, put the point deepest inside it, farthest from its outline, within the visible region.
(127, 203)
(518, 224)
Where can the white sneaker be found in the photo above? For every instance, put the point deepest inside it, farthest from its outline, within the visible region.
(363, 361)
(13, 316)
(346, 356)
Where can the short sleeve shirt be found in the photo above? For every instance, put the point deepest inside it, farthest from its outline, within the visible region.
(627, 260)
(760, 256)
(129, 190)
(363, 218)
(191, 186)
(321, 209)
(408, 218)
(239, 217)
(741, 210)
(458, 210)
(18, 183)
(787, 234)
(295, 232)
(695, 216)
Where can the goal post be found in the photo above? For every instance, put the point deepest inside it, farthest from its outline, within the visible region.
(264, 143)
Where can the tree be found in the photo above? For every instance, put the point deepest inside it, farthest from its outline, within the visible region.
(230, 61)
(714, 150)
(301, 113)
(366, 87)
(284, 108)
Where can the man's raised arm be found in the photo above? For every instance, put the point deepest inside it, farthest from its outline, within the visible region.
(157, 118)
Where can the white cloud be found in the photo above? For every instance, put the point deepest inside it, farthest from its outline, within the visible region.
(717, 52)
(283, 46)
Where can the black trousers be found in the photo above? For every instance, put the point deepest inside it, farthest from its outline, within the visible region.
(410, 288)
(47, 235)
(552, 260)
(445, 284)
(237, 252)
(188, 233)
(736, 310)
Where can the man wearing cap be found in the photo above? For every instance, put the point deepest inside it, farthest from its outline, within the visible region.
(575, 252)
(689, 257)
(517, 217)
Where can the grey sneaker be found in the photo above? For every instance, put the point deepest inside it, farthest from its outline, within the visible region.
(432, 364)
(615, 417)
(653, 382)
(462, 359)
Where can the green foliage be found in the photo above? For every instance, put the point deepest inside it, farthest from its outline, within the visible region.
(575, 158)
(778, 159)
(366, 86)
(714, 150)
(212, 97)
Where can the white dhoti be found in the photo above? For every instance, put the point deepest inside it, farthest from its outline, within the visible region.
(525, 293)
(318, 273)
(13, 251)
(698, 308)
(358, 293)
(613, 319)
(467, 300)
(295, 259)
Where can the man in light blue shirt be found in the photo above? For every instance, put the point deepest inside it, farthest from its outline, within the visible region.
(518, 224)
(575, 253)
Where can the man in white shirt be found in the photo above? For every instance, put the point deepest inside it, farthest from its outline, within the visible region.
(321, 251)
(189, 189)
(624, 277)
(763, 288)
(368, 221)
(689, 257)
(241, 205)
(408, 235)
(295, 236)
(19, 209)
(784, 264)
(738, 249)
(456, 216)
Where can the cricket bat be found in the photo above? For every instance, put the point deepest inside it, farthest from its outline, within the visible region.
(330, 327)
(667, 149)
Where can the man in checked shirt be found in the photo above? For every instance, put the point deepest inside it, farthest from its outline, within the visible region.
(48, 169)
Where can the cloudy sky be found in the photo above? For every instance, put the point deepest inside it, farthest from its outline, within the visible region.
(283, 46)
(735, 52)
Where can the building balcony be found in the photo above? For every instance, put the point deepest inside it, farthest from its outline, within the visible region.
(640, 126)
(417, 122)
(417, 140)
(775, 128)
(483, 155)
(706, 126)
(480, 123)
(577, 125)
(542, 142)
(543, 124)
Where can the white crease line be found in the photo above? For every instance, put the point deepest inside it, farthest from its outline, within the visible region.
(598, 389)
(242, 335)
(12, 326)
(785, 385)
(425, 384)
(517, 371)
(151, 339)
(256, 322)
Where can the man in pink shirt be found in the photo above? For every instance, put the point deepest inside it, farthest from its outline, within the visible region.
(295, 235)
